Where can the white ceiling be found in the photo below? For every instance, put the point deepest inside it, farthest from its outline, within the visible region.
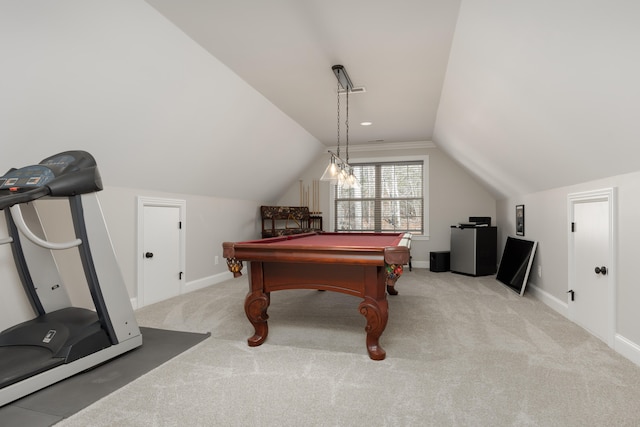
(526, 96)
(285, 49)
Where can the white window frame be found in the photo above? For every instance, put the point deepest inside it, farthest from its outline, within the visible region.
(425, 189)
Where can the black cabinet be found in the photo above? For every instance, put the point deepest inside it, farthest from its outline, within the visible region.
(474, 250)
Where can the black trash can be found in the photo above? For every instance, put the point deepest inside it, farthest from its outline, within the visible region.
(439, 261)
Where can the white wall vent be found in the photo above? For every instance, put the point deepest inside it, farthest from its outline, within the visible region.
(354, 90)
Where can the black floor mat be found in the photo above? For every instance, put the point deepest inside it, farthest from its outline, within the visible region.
(61, 400)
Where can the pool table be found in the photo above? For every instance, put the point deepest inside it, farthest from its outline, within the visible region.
(366, 265)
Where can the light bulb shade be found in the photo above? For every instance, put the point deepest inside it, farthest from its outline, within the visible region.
(353, 181)
(350, 180)
(331, 172)
(343, 179)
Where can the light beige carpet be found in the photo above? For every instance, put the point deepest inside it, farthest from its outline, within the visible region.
(461, 351)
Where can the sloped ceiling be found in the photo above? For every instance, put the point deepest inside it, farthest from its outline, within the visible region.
(156, 110)
(529, 96)
(285, 49)
(236, 98)
(540, 95)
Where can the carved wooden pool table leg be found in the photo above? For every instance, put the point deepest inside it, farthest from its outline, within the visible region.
(255, 306)
(377, 313)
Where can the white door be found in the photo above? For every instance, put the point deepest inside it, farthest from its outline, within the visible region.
(160, 257)
(592, 284)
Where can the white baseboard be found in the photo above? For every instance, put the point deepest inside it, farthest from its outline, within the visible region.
(420, 264)
(206, 282)
(621, 345)
(553, 302)
(627, 348)
(195, 285)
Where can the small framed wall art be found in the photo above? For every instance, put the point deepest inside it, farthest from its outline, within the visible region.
(520, 220)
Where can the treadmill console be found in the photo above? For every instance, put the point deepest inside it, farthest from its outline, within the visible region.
(26, 178)
(65, 174)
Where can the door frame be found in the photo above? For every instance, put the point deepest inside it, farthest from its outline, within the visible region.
(610, 196)
(158, 202)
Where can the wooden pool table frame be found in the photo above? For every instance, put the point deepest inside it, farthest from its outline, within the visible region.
(361, 271)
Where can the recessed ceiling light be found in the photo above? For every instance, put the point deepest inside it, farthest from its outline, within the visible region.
(366, 123)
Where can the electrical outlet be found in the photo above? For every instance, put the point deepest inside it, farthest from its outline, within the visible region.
(215, 260)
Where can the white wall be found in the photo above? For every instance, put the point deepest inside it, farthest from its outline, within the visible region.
(157, 111)
(454, 195)
(546, 221)
(14, 305)
(162, 117)
(210, 221)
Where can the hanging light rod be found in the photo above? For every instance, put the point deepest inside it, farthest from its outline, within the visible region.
(340, 161)
(343, 77)
(339, 171)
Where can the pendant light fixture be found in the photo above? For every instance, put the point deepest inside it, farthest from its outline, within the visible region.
(339, 171)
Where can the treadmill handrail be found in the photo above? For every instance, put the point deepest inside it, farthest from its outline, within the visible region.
(16, 213)
(10, 199)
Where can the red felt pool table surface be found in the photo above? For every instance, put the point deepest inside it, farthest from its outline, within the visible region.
(344, 239)
(361, 264)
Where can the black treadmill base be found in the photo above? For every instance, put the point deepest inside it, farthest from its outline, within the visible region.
(48, 341)
(23, 362)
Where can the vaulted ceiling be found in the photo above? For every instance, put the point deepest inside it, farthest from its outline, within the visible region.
(527, 96)
(285, 49)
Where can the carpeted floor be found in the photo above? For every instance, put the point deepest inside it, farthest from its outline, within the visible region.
(56, 402)
(461, 351)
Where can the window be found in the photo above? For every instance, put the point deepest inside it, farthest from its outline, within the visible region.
(391, 198)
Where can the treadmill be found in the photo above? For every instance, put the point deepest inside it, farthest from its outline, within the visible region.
(61, 340)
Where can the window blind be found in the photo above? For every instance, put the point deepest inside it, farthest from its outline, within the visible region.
(391, 198)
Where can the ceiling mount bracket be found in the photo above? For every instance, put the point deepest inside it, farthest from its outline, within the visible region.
(343, 77)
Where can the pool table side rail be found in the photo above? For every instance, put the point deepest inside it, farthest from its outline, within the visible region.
(321, 255)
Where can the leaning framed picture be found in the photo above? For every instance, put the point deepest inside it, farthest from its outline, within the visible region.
(520, 220)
